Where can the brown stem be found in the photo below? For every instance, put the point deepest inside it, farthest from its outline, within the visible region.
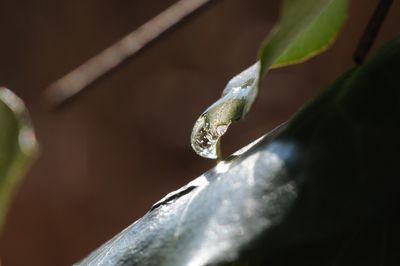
(68, 87)
(371, 31)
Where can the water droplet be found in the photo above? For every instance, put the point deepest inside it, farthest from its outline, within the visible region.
(237, 98)
(203, 140)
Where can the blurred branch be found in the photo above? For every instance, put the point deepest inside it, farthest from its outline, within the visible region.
(371, 31)
(68, 87)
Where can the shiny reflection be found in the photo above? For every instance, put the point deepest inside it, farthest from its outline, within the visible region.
(222, 167)
(11, 100)
(211, 219)
(258, 194)
(27, 140)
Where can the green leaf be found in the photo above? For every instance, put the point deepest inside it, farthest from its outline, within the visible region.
(18, 147)
(305, 28)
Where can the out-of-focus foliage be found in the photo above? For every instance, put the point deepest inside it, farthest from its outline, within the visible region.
(18, 147)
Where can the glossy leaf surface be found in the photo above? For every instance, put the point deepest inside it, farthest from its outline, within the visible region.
(322, 189)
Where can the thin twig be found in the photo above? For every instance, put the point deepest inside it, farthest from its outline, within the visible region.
(371, 31)
(69, 86)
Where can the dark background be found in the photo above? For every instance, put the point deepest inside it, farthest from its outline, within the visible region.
(107, 157)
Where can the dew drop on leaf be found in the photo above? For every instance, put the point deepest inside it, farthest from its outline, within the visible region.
(236, 101)
(203, 140)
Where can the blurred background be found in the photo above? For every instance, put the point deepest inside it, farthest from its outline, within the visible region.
(122, 145)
